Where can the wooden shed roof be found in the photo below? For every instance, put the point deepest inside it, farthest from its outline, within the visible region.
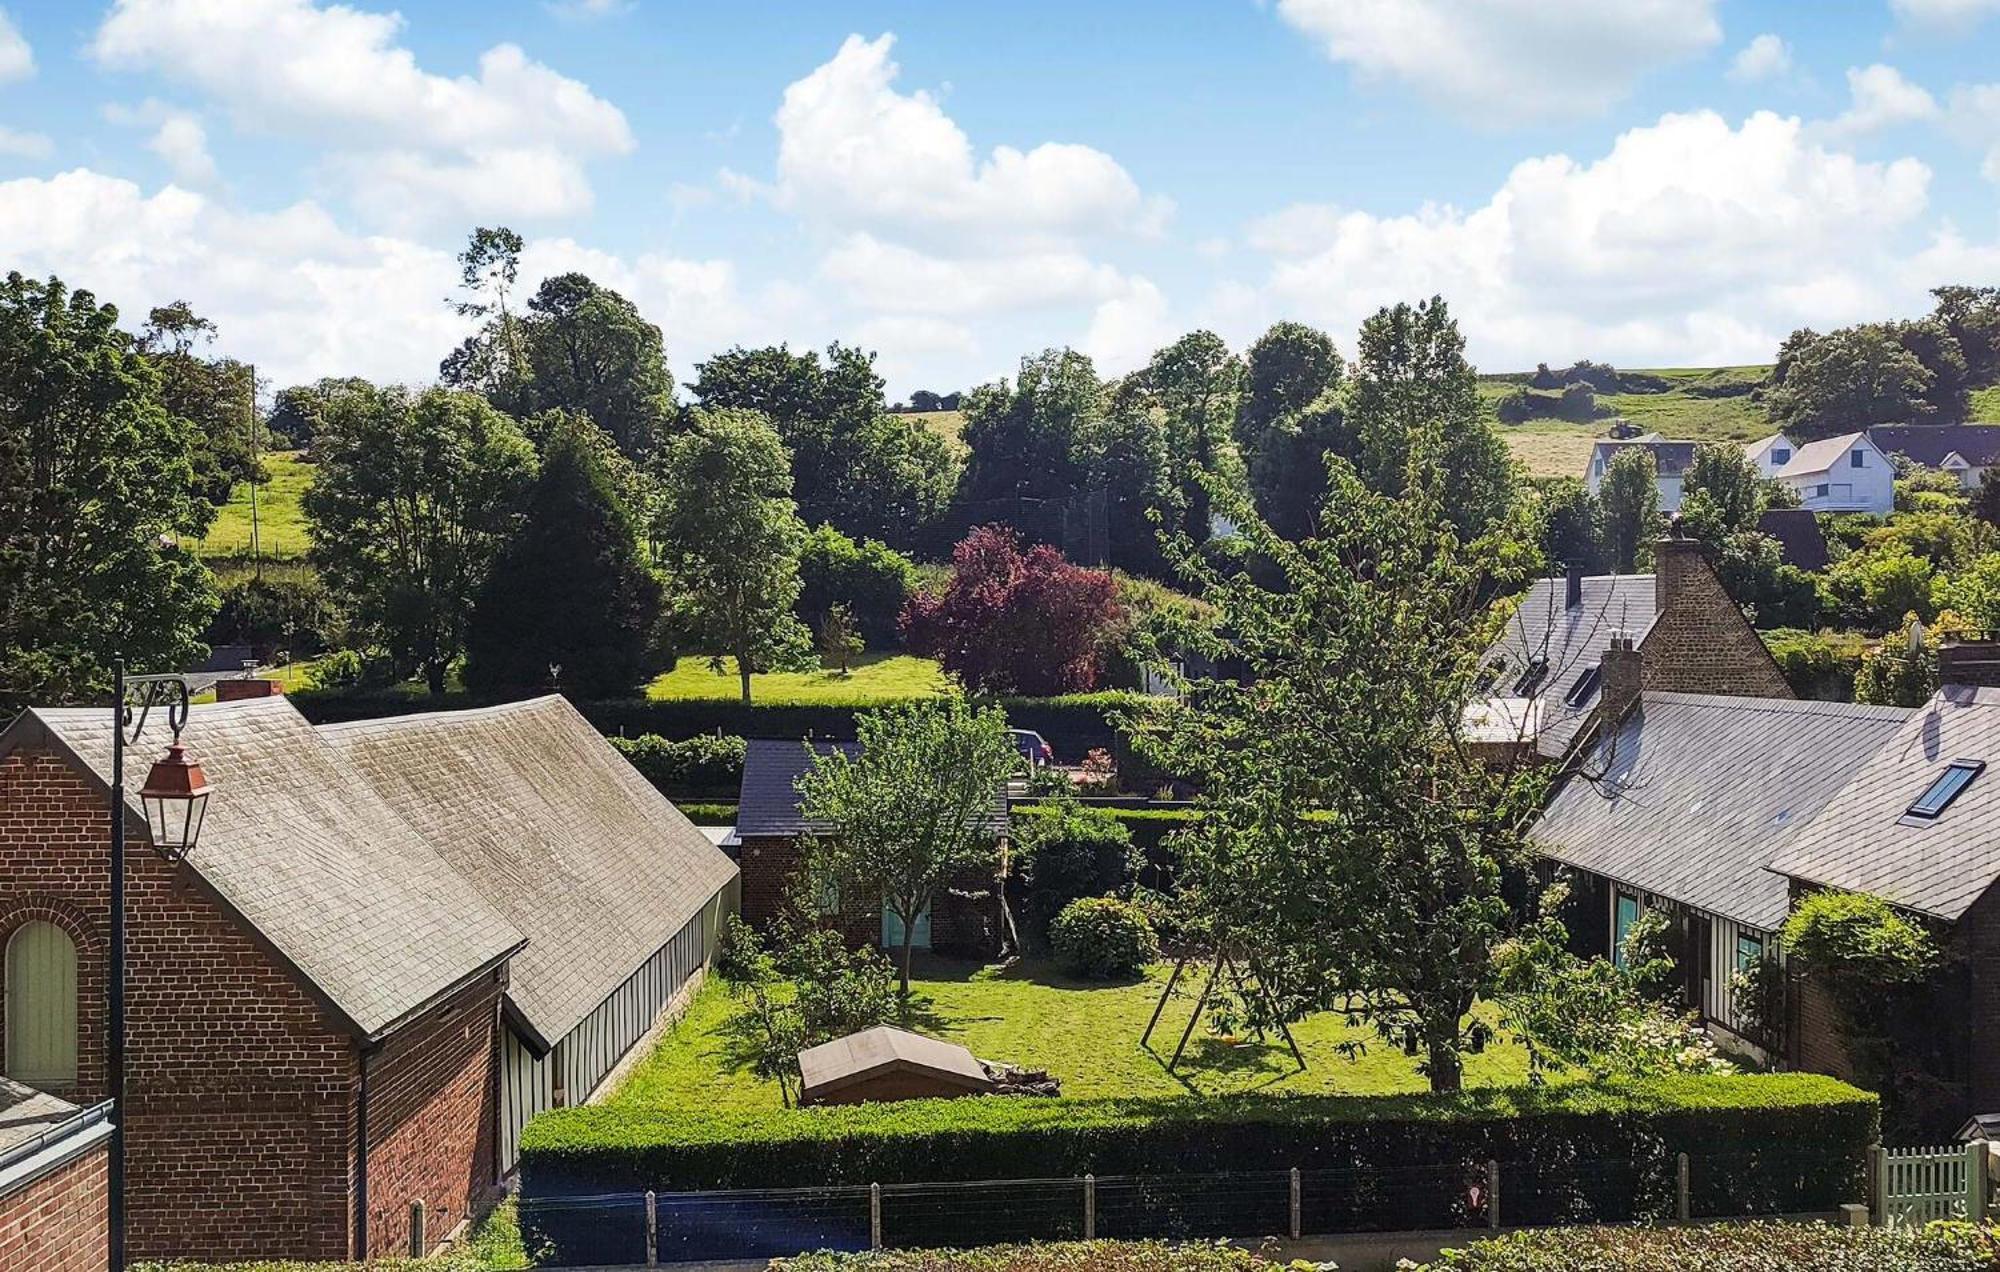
(833, 1066)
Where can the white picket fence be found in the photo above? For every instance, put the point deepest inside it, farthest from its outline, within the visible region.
(1915, 1186)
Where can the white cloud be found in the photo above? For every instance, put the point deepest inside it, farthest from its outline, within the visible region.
(586, 9)
(24, 145)
(17, 60)
(1502, 61)
(183, 143)
(1126, 330)
(894, 278)
(854, 151)
(337, 76)
(1691, 242)
(1944, 13)
(1765, 57)
(1882, 99)
(1975, 115)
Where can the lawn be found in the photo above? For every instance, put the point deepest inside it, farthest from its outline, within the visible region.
(875, 678)
(1086, 1034)
(280, 521)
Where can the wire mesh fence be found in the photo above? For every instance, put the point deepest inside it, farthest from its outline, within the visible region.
(668, 1227)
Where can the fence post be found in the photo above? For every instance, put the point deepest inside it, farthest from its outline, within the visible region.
(1295, 1203)
(1975, 1182)
(652, 1229)
(1492, 1193)
(874, 1216)
(1090, 1207)
(1878, 1185)
(419, 1247)
(1681, 1206)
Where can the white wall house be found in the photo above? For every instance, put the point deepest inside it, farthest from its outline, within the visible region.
(1841, 474)
(1670, 464)
(1965, 451)
(1769, 454)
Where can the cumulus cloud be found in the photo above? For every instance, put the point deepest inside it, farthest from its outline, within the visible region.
(1765, 57)
(17, 60)
(178, 137)
(337, 75)
(1690, 242)
(1503, 61)
(1882, 98)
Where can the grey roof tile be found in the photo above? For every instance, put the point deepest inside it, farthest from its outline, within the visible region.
(768, 802)
(1698, 793)
(1930, 444)
(1572, 641)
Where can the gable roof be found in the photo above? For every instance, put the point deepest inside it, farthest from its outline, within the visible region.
(1822, 455)
(768, 802)
(1931, 444)
(555, 830)
(1864, 840)
(844, 1062)
(310, 857)
(1798, 534)
(1670, 458)
(1699, 792)
(1754, 451)
(1572, 641)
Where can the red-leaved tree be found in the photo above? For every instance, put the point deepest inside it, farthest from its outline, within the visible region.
(1016, 622)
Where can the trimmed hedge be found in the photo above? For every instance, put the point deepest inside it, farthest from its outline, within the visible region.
(1064, 1256)
(704, 766)
(1722, 1247)
(1759, 1144)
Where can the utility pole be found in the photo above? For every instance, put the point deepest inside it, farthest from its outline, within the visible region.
(256, 539)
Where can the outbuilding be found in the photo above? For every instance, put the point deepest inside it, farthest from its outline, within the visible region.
(885, 1063)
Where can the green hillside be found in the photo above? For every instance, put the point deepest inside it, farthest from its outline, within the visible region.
(280, 521)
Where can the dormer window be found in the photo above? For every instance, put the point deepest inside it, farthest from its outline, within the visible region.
(1940, 793)
(1586, 684)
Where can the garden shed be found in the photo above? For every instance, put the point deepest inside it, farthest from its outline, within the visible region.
(886, 1063)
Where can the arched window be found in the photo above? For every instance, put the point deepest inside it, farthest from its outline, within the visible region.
(41, 1006)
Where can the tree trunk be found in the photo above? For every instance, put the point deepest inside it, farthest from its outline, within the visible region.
(1447, 1067)
(434, 676)
(743, 674)
(909, 940)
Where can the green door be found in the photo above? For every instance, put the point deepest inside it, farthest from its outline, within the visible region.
(41, 1006)
(892, 930)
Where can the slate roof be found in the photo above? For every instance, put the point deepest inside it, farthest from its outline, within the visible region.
(300, 846)
(1798, 534)
(1698, 792)
(556, 831)
(1865, 841)
(1929, 444)
(1572, 640)
(1670, 458)
(27, 1114)
(768, 802)
(1819, 456)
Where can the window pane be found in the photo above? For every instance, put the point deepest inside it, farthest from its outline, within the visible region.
(1956, 777)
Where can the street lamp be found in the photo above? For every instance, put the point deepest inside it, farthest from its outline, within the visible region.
(176, 800)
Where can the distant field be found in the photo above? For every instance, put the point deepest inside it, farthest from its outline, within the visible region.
(946, 424)
(1986, 405)
(280, 521)
(876, 678)
(1704, 404)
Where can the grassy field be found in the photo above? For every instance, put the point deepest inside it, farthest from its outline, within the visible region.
(1086, 1034)
(1700, 404)
(281, 523)
(875, 678)
(1986, 405)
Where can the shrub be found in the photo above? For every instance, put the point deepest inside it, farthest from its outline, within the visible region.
(1729, 1247)
(1066, 854)
(1103, 938)
(276, 613)
(1818, 665)
(1062, 1256)
(341, 669)
(872, 579)
(707, 764)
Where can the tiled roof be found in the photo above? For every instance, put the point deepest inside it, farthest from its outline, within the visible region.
(556, 831)
(1572, 641)
(1798, 534)
(1819, 456)
(768, 803)
(1865, 840)
(1929, 444)
(305, 850)
(1696, 794)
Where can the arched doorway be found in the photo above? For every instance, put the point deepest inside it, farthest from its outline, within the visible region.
(41, 1006)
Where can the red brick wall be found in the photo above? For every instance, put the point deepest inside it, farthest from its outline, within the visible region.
(1978, 943)
(431, 1118)
(959, 925)
(59, 1222)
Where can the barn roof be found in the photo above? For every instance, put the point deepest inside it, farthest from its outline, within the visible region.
(859, 1057)
(299, 845)
(768, 802)
(555, 830)
(1931, 444)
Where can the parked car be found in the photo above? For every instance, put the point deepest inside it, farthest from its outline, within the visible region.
(1032, 748)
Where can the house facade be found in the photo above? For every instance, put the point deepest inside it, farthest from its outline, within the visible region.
(1848, 473)
(1769, 454)
(319, 994)
(1670, 464)
(1964, 450)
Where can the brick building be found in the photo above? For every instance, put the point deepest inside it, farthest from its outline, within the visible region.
(769, 827)
(53, 1212)
(320, 997)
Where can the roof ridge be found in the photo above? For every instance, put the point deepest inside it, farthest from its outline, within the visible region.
(444, 715)
(1801, 706)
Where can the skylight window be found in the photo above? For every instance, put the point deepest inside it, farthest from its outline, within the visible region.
(1956, 777)
(1586, 684)
(1532, 676)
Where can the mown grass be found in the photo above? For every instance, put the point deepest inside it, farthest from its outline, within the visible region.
(281, 520)
(1085, 1033)
(875, 678)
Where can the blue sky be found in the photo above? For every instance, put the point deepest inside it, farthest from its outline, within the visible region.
(1652, 182)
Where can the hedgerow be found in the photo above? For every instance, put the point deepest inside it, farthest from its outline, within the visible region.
(1728, 1247)
(1054, 1256)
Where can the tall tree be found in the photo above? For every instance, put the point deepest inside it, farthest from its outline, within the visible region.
(1845, 381)
(1021, 438)
(1972, 317)
(216, 396)
(1288, 477)
(1572, 526)
(488, 270)
(96, 485)
(1630, 497)
(568, 604)
(1195, 383)
(912, 813)
(414, 497)
(1415, 409)
(1284, 372)
(1123, 453)
(1350, 842)
(729, 539)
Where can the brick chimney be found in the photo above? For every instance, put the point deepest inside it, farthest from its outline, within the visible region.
(1674, 560)
(1573, 593)
(1969, 662)
(1618, 679)
(238, 690)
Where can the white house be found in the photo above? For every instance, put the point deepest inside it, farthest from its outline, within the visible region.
(1965, 451)
(1670, 464)
(1848, 473)
(1769, 454)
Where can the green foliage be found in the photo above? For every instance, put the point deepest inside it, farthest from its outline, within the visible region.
(214, 396)
(807, 987)
(1858, 377)
(1630, 496)
(1649, 957)
(839, 643)
(1900, 670)
(1973, 594)
(1058, 1256)
(706, 764)
(1572, 525)
(1066, 852)
(1875, 589)
(568, 604)
(341, 669)
(1920, 488)
(1818, 665)
(292, 614)
(96, 480)
(1019, 437)
(1103, 938)
(1728, 1247)
(911, 813)
(1757, 992)
(1195, 383)
(414, 498)
(1285, 370)
(1857, 941)
(728, 541)
(869, 577)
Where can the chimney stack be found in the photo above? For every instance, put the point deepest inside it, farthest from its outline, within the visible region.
(1675, 560)
(1573, 596)
(1618, 679)
(238, 690)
